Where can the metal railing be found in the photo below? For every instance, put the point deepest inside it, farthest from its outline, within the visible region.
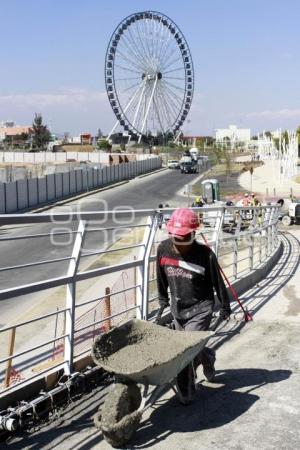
(251, 240)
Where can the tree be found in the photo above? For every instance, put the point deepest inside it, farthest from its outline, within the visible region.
(103, 144)
(41, 136)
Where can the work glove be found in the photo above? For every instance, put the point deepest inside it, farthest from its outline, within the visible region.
(224, 314)
(158, 316)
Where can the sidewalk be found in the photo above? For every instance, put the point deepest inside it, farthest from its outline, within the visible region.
(266, 177)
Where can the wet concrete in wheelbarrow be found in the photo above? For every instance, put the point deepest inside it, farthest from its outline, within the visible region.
(138, 346)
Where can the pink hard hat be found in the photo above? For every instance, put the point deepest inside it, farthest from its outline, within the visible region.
(182, 222)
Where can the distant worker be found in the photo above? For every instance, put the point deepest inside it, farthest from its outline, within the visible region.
(198, 203)
(246, 200)
(160, 218)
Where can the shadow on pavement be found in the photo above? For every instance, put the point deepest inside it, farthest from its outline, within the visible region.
(212, 408)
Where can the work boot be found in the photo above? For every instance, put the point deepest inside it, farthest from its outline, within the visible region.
(209, 370)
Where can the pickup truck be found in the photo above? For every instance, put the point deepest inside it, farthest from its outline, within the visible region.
(189, 167)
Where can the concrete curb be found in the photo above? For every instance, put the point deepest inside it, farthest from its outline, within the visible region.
(77, 197)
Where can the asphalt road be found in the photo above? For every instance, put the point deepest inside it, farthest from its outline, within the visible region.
(141, 193)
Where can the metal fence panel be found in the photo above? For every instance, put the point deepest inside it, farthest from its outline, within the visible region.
(58, 185)
(72, 182)
(2, 198)
(42, 190)
(95, 177)
(22, 193)
(84, 180)
(78, 176)
(11, 197)
(66, 183)
(90, 178)
(32, 192)
(50, 180)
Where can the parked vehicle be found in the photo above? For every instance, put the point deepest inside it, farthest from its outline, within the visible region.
(293, 215)
(173, 164)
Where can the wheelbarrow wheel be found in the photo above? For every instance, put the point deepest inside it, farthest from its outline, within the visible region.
(118, 417)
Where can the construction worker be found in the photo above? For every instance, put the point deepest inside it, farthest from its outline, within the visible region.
(246, 200)
(198, 203)
(191, 271)
(160, 218)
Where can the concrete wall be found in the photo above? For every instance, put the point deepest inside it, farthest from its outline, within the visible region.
(22, 194)
(94, 157)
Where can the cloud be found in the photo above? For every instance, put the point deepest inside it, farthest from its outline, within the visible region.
(68, 97)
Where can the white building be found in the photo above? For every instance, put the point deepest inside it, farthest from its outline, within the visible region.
(234, 134)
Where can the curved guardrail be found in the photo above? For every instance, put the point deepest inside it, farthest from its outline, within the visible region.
(243, 238)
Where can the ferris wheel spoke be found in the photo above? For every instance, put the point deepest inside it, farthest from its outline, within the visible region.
(173, 78)
(174, 86)
(168, 64)
(142, 44)
(139, 104)
(146, 37)
(128, 79)
(169, 112)
(174, 70)
(173, 96)
(164, 47)
(134, 55)
(157, 110)
(126, 68)
(170, 105)
(168, 50)
(125, 58)
(133, 41)
(159, 39)
(148, 106)
(166, 112)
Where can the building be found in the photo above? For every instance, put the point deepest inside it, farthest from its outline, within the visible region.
(12, 132)
(233, 134)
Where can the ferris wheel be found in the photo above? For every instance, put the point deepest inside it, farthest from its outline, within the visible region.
(149, 75)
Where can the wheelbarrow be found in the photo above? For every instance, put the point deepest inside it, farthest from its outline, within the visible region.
(140, 354)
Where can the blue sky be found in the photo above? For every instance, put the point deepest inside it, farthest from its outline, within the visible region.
(245, 52)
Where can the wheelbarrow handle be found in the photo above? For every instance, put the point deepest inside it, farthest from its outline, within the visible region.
(158, 315)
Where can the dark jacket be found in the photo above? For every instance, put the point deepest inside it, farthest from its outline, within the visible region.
(191, 279)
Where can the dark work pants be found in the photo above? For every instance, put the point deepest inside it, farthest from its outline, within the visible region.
(200, 322)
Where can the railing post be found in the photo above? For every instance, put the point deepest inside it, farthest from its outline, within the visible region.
(143, 272)
(251, 251)
(10, 353)
(71, 299)
(235, 257)
(218, 230)
(140, 271)
(269, 230)
(107, 309)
